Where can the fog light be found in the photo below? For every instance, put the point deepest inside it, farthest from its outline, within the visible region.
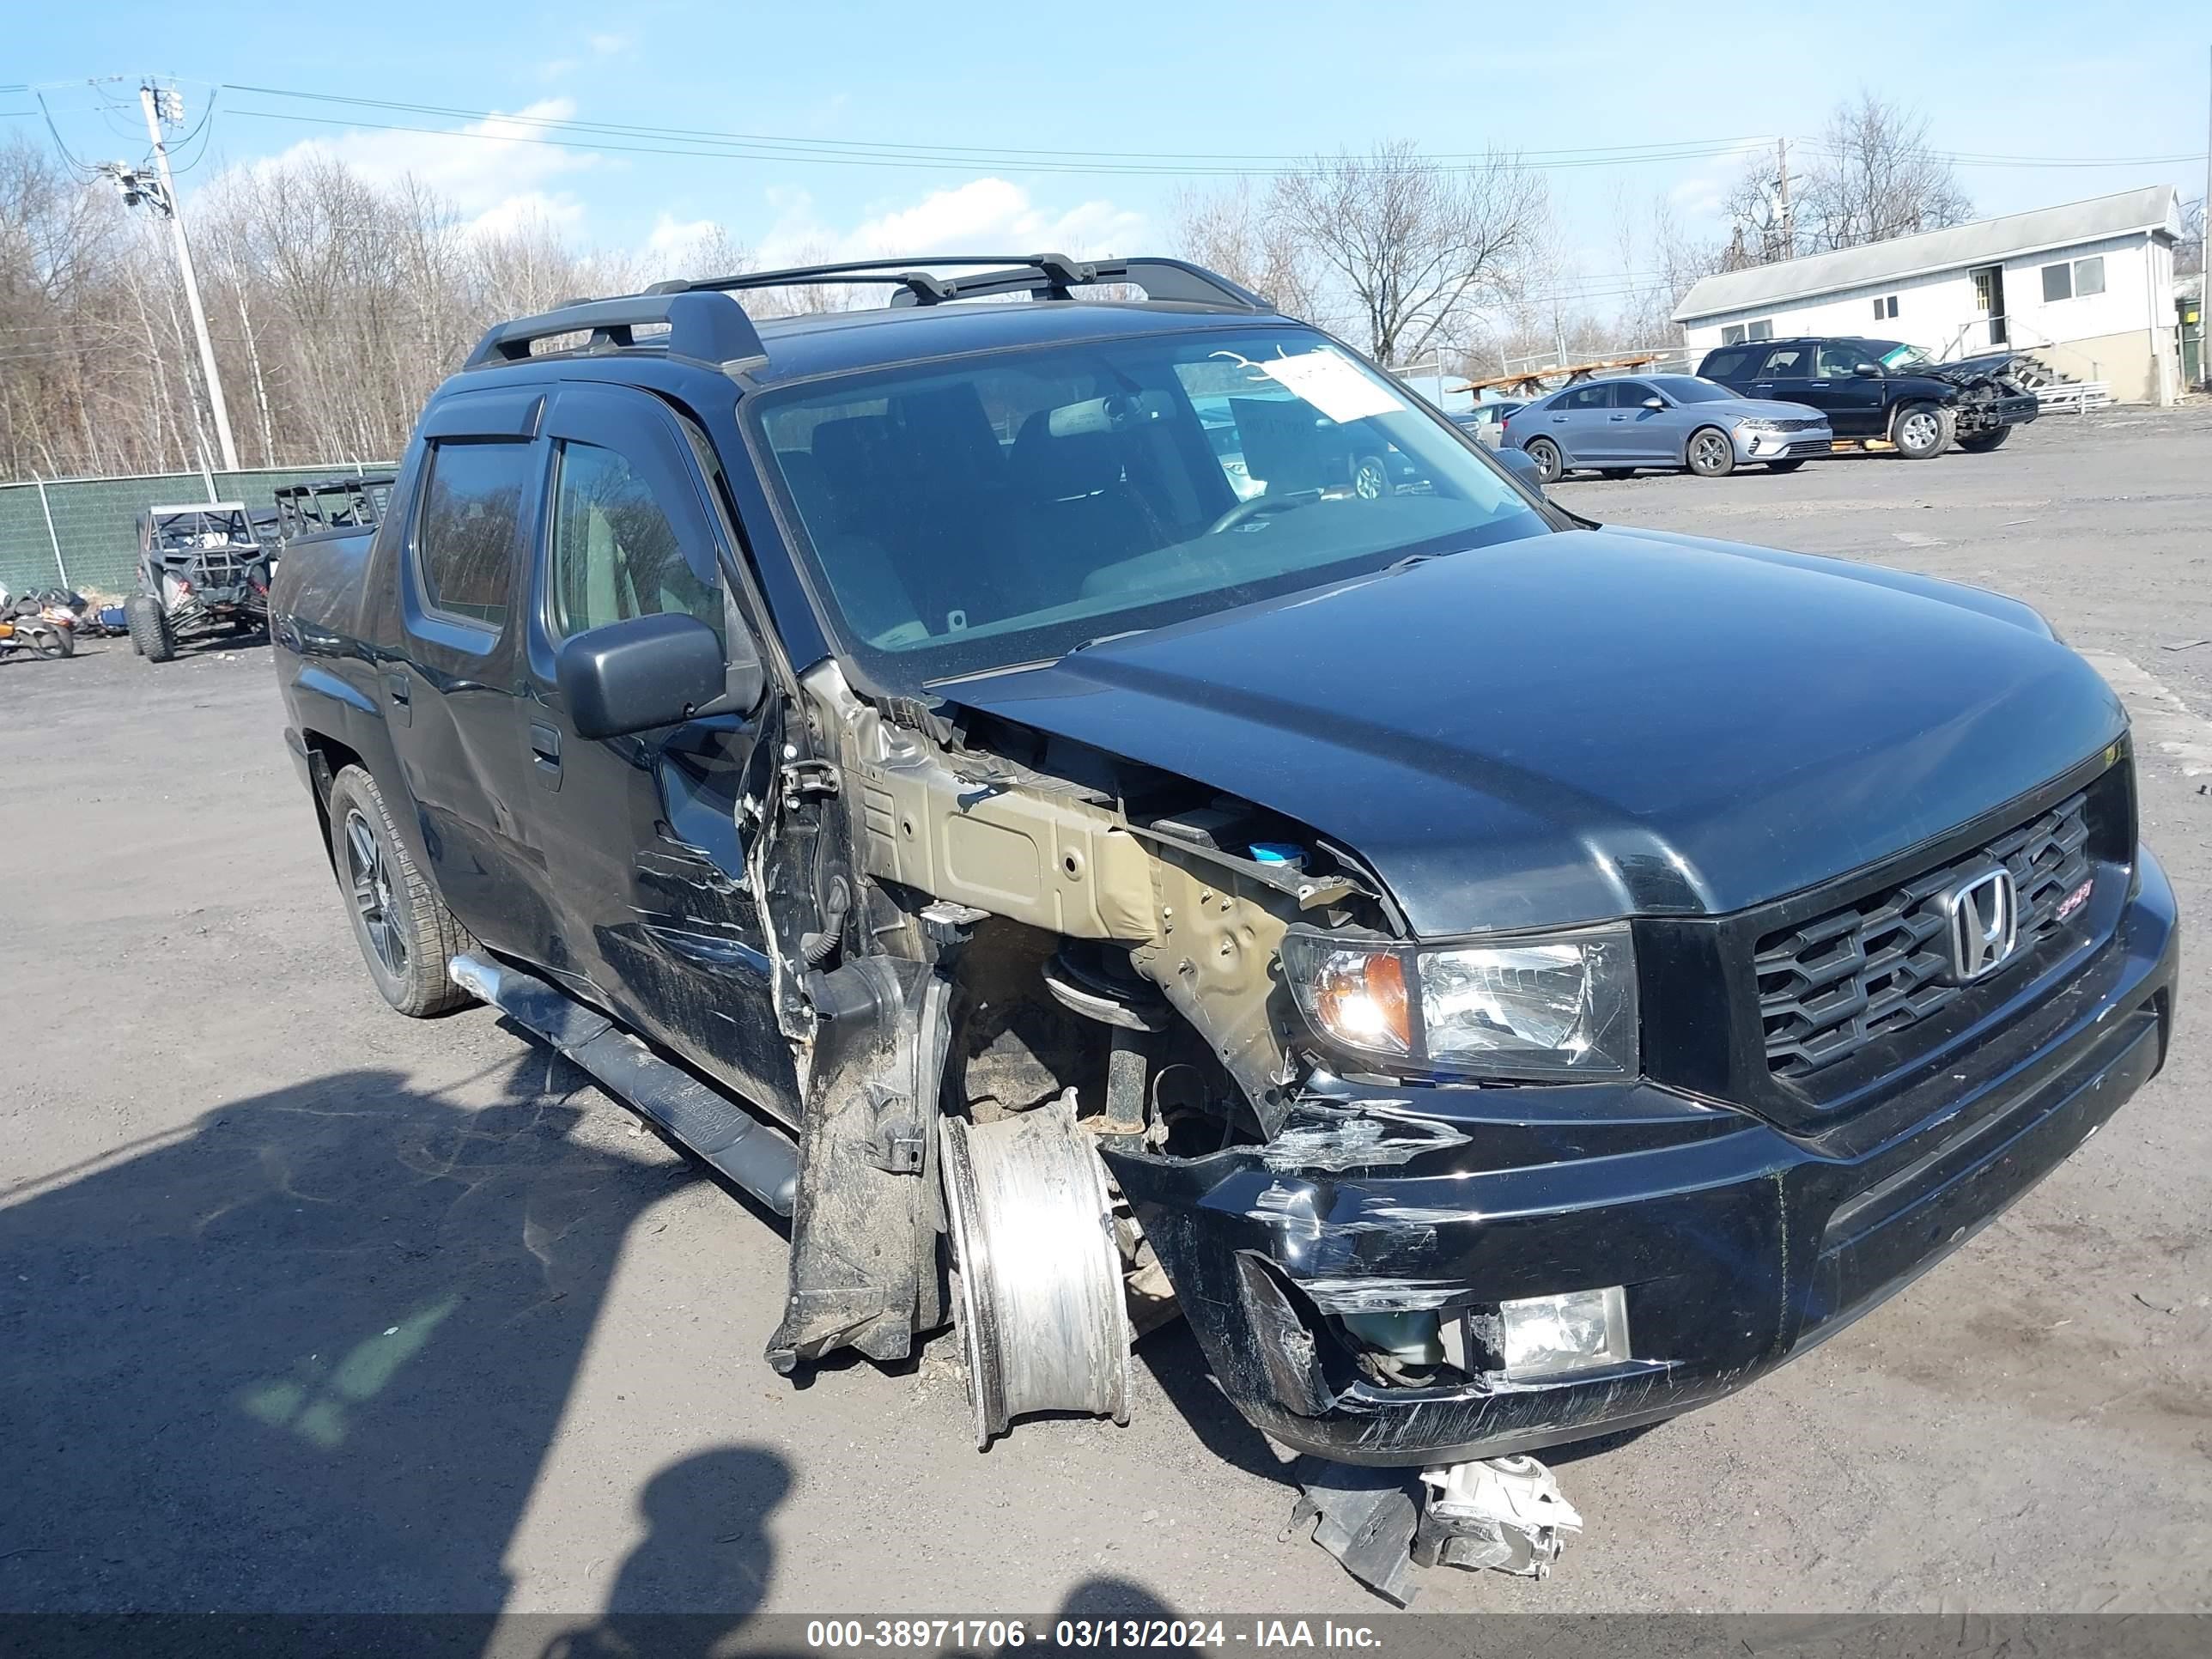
(1553, 1335)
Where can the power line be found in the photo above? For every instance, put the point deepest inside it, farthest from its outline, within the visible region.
(734, 151)
(967, 153)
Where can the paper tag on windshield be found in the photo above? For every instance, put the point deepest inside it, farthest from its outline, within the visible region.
(1333, 385)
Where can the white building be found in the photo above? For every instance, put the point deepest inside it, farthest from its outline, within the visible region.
(2087, 288)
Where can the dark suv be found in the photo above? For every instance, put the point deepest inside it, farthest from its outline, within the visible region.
(1883, 390)
(1505, 979)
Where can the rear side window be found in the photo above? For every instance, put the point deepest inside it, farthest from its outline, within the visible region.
(1788, 363)
(1723, 364)
(1597, 395)
(465, 544)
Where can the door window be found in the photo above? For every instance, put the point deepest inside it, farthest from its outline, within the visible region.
(1791, 362)
(1839, 360)
(1631, 394)
(1596, 395)
(615, 553)
(465, 540)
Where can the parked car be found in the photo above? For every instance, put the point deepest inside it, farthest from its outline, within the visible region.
(202, 571)
(1507, 979)
(1883, 389)
(1484, 422)
(1615, 427)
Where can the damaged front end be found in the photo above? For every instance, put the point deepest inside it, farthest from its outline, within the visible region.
(1426, 1205)
(1994, 392)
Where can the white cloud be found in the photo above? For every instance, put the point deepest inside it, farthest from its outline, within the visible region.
(989, 216)
(672, 237)
(496, 178)
(607, 46)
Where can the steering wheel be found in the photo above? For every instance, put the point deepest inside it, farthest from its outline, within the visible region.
(1244, 512)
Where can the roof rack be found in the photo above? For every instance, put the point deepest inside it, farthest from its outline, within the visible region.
(702, 329)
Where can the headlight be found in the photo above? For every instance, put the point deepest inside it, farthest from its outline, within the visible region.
(1536, 1006)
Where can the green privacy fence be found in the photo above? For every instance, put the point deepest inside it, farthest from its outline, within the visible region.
(84, 532)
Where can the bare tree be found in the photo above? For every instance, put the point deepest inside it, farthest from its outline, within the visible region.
(1873, 175)
(1413, 244)
(2189, 252)
(1232, 231)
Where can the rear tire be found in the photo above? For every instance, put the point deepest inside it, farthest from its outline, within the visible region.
(405, 933)
(1981, 442)
(1710, 453)
(1921, 431)
(151, 636)
(53, 642)
(1549, 463)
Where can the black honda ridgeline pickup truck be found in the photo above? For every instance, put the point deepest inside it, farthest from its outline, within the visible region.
(1504, 978)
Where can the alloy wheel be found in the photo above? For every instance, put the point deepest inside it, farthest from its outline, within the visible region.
(372, 893)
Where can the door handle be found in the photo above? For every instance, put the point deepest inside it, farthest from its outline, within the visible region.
(545, 754)
(1558, 420)
(396, 690)
(1616, 419)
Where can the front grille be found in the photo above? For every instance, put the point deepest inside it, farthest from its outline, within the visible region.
(1866, 970)
(1799, 425)
(1811, 447)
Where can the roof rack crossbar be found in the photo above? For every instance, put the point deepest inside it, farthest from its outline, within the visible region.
(700, 326)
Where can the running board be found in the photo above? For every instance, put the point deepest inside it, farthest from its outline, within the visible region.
(759, 1159)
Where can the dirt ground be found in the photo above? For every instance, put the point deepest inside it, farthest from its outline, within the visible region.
(304, 1306)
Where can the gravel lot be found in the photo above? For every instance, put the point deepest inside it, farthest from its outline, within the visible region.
(304, 1306)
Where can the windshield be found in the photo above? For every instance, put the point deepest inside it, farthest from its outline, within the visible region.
(1894, 356)
(1014, 507)
(1689, 389)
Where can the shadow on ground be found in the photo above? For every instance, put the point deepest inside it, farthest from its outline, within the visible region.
(311, 1354)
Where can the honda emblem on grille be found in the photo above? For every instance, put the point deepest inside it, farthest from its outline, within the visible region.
(1982, 912)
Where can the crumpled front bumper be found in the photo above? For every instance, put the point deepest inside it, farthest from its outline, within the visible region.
(1739, 1245)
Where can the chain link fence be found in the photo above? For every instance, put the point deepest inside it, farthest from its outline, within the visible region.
(83, 532)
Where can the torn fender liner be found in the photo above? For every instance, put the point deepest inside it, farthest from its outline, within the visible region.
(864, 1230)
(1366, 1519)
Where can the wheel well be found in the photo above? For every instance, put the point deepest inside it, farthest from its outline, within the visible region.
(1692, 438)
(326, 758)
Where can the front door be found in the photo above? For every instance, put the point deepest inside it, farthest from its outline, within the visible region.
(638, 837)
(1989, 300)
(1851, 401)
(447, 691)
(1633, 433)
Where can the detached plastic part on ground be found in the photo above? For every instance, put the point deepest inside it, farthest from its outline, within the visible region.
(1501, 1513)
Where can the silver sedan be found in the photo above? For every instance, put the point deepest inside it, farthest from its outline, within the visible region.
(1615, 427)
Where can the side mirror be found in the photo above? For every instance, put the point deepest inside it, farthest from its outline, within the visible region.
(649, 671)
(1869, 371)
(1655, 403)
(1517, 462)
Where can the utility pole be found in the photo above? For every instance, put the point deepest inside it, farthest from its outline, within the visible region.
(1785, 214)
(2204, 243)
(167, 202)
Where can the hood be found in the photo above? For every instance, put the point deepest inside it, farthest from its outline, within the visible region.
(1763, 409)
(1967, 370)
(1594, 724)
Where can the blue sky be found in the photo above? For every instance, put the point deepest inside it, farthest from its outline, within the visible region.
(1136, 77)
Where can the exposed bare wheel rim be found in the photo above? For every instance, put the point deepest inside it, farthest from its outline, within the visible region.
(371, 882)
(1920, 430)
(1709, 452)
